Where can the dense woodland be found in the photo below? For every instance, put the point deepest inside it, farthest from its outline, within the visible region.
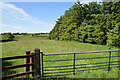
(97, 23)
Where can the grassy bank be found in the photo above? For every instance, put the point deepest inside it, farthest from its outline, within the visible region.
(23, 43)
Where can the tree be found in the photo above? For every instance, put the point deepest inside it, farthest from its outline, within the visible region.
(7, 37)
(95, 23)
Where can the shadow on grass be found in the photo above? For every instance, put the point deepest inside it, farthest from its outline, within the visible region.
(7, 40)
(65, 79)
(7, 72)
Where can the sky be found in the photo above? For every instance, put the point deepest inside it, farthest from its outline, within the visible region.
(31, 17)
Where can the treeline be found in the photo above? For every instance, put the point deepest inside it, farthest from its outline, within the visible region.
(97, 23)
(7, 37)
(27, 33)
(23, 33)
(10, 36)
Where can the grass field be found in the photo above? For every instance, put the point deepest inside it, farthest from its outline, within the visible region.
(24, 43)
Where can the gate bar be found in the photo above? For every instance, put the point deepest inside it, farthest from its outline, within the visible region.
(109, 61)
(74, 65)
(83, 52)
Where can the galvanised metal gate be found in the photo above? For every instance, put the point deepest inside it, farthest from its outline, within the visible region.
(62, 64)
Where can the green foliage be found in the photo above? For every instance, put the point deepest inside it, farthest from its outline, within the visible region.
(89, 23)
(7, 37)
(23, 33)
(114, 36)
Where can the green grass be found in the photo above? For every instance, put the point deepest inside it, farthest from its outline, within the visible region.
(24, 43)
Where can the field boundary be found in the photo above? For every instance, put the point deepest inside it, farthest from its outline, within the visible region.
(34, 64)
(48, 70)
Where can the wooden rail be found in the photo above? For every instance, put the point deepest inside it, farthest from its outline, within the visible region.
(16, 66)
(16, 57)
(29, 61)
(16, 75)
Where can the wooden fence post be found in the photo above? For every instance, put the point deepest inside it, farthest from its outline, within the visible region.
(37, 63)
(42, 63)
(28, 61)
(32, 67)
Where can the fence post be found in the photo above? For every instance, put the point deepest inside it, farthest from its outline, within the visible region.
(28, 61)
(74, 65)
(42, 64)
(32, 67)
(109, 61)
(37, 63)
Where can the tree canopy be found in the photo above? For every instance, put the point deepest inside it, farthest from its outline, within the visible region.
(97, 23)
(7, 36)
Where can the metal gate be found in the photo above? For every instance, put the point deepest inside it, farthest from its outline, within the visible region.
(65, 64)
